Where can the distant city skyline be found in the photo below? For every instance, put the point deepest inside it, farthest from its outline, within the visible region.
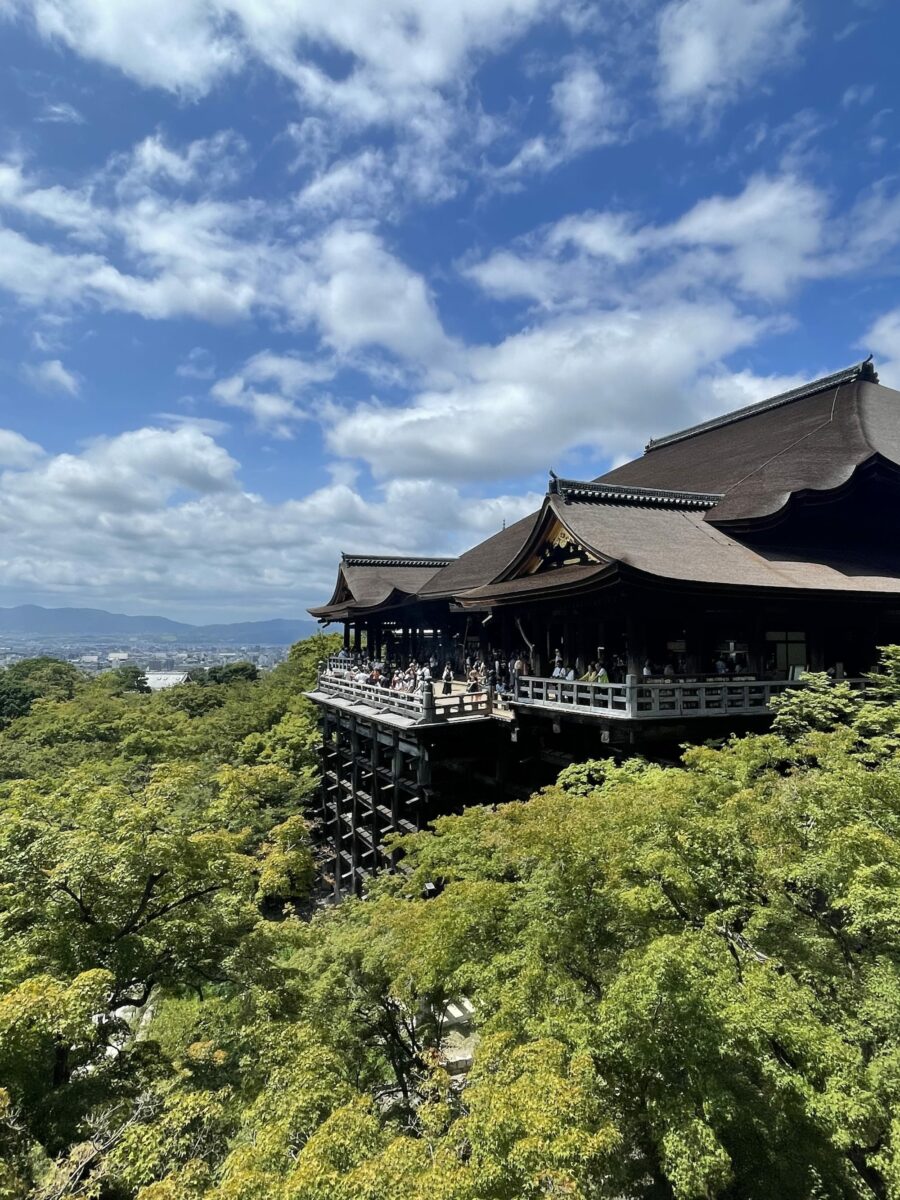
(281, 280)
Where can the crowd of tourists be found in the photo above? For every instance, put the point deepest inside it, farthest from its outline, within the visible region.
(499, 675)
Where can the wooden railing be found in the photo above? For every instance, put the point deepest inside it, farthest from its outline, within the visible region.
(422, 705)
(635, 700)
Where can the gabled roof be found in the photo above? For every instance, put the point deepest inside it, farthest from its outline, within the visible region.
(658, 535)
(366, 582)
(481, 564)
(811, 438)
(691, 509)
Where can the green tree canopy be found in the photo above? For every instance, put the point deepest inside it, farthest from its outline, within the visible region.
(685, 980)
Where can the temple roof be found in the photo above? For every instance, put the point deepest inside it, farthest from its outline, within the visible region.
(674, 542)
(862, 370)
(811, 438)
(570, 490)
(694, 508)
(367, 582)
(482, 563)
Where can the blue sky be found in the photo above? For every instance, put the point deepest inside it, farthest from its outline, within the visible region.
(284, 277)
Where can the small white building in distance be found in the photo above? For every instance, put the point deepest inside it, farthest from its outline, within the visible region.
(157, 680)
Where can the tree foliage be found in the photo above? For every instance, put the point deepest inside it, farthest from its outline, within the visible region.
(685, 980)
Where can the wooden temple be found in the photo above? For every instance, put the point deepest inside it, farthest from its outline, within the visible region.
(705, 576)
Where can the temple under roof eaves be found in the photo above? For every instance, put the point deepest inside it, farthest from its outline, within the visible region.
(701, 580)
(776, 517)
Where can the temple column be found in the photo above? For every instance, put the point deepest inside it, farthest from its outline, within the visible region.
(635, 640)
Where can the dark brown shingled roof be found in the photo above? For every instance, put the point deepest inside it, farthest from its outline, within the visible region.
(675, 542)
(681, 544)
(367, 582)
(811, 438)
(862, 370)
(529, 587)
(482, 563)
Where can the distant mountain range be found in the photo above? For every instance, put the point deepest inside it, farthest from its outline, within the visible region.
(32, 620)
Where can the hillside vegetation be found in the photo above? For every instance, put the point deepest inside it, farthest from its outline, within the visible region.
(686, 981)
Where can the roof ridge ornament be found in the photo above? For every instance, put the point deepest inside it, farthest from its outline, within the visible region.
(392, 560)
(859, 371)
(616, 493)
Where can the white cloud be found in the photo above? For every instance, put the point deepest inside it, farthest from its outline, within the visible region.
(181, 45)
(586, 106)
(209, 425)
(198, 363)
(399, 48)
(156, 519)
(278, 408)
(361, 295)
(883, 340)
(858, 93)
(213, 162)
(767, 237)
(404, 65)
(17, 451)
(711, 51)
(61, 113)
(763, 242)
(586, 113)
(129, 473)
(597, 381)
(357, 186)
(67, 209)
(604, 235)
(52, 376)
(163, 256)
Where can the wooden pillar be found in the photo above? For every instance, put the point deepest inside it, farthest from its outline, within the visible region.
(338, 809)
(423, 779)
(396, 801)
(346, 635)
(355, 859)
(374, 795)
(636, 640)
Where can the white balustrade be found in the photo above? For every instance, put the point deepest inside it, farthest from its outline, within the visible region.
(636, 700)
(424, 706)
